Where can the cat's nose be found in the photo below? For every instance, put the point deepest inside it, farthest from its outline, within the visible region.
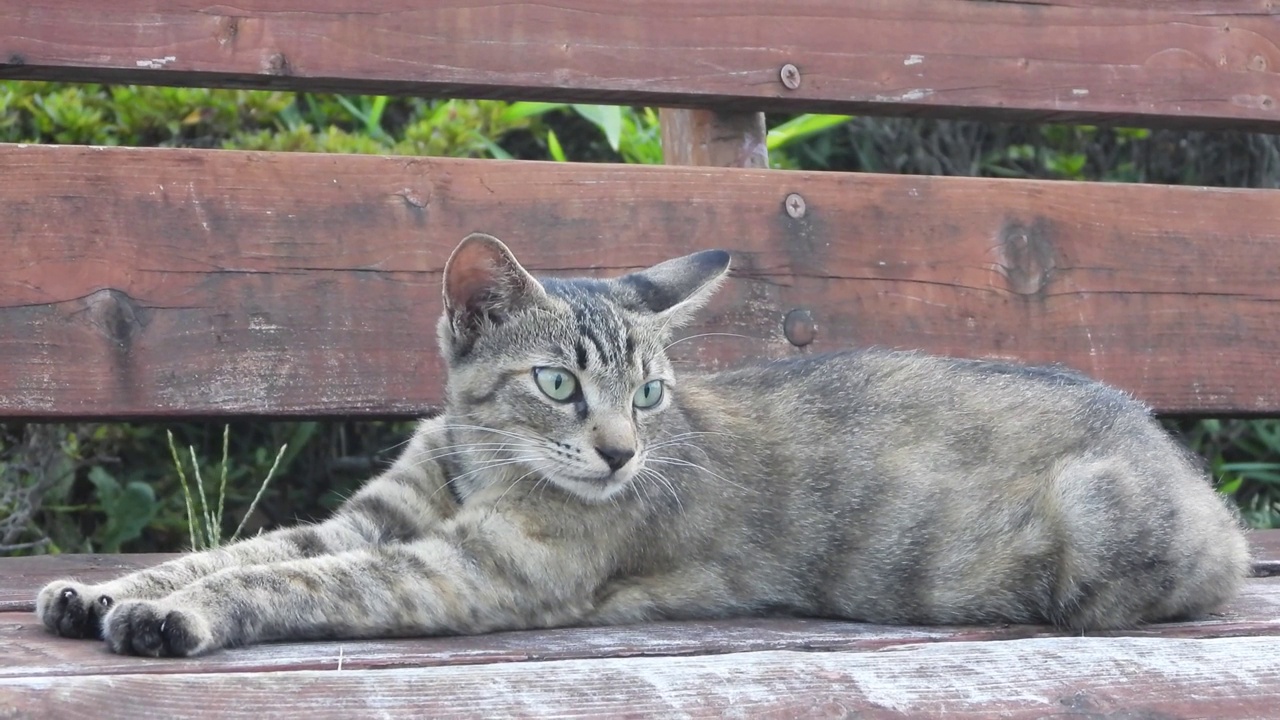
(615, 457)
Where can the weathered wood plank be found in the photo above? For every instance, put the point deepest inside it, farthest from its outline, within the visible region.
(181, 282)
(1122, 677)
(1265, 546)
(22, 577)
(1209, 63)
(27, 650)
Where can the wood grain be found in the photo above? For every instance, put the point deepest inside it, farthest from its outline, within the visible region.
(1265, 547)
(1207, 63)
(714, 139)
(22, 577)
(1090, 677)
(28, 650)
(157, 283)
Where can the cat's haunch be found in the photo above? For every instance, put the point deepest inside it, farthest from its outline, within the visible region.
(575, 477)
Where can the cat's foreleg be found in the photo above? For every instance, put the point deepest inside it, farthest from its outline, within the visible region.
(692, 592)
(399, 505)
(475, 576)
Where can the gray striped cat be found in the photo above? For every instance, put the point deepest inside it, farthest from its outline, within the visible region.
(575, 478)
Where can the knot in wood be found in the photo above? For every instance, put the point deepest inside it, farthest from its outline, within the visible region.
(116, 315)
(799, 327)
(1026, 256)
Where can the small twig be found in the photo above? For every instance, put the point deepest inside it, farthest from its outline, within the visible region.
(25, 546)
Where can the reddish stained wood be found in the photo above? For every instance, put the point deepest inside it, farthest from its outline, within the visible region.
(715, 139)
(1097, 677)
(181, 282)
(27, 650)
(1265, 546)
(21, 578)
(1207, 63)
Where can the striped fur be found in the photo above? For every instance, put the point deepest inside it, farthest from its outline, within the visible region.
(875, 486)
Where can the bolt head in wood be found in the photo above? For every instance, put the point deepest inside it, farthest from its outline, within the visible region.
(795, 206)
(799, 327)
(790, 75)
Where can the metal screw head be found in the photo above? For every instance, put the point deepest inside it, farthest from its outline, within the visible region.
(790, 76)
(795, 206)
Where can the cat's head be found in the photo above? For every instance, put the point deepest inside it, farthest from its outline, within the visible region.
(562, 381)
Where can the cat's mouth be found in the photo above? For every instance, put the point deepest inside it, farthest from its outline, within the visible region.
(595, 487)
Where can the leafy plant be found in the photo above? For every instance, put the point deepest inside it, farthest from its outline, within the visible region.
(128, 509)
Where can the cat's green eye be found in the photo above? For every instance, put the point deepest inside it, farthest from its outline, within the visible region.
(648, 395)
(557, 383)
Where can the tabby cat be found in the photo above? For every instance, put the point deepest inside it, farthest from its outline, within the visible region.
(576, 478)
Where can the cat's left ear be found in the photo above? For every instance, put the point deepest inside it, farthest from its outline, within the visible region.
(675, 289)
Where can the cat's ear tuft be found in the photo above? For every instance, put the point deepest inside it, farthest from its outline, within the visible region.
(484, 283)
(675, 289)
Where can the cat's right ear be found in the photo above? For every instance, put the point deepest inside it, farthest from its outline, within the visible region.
(483, 285)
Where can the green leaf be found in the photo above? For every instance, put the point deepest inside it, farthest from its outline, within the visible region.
(606, 117)
(494, 149)
(1231, 486)
(521, 110)
(128, 510)
(553, 147)
(799, 128)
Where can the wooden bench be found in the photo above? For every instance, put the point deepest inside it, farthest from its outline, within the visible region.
(144, 283)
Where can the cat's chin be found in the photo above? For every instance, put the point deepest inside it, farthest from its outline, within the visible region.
(594, 490)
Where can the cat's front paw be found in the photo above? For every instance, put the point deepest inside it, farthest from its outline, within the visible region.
(72, 609)
(145, 627)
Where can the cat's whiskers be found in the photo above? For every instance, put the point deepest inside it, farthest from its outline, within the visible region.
(664, 481)
(678, 444)
(483, 428)
(707, 334)
(667, 460)
(539, 469)
(450, 450)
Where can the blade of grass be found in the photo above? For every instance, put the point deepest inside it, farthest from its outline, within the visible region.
(222, 484)
(202, 501)
(263, 488)
(186, 491)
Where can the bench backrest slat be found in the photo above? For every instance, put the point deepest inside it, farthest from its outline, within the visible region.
(142, 282)
(1203, 63)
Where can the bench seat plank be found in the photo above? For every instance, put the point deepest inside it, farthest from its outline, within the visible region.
(1094, 677)
(27, 650)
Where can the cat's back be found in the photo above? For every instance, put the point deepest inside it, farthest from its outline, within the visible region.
(874, 387)
(965, 490)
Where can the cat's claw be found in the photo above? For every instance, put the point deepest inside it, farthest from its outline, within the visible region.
(73, 610)
(145, 627)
